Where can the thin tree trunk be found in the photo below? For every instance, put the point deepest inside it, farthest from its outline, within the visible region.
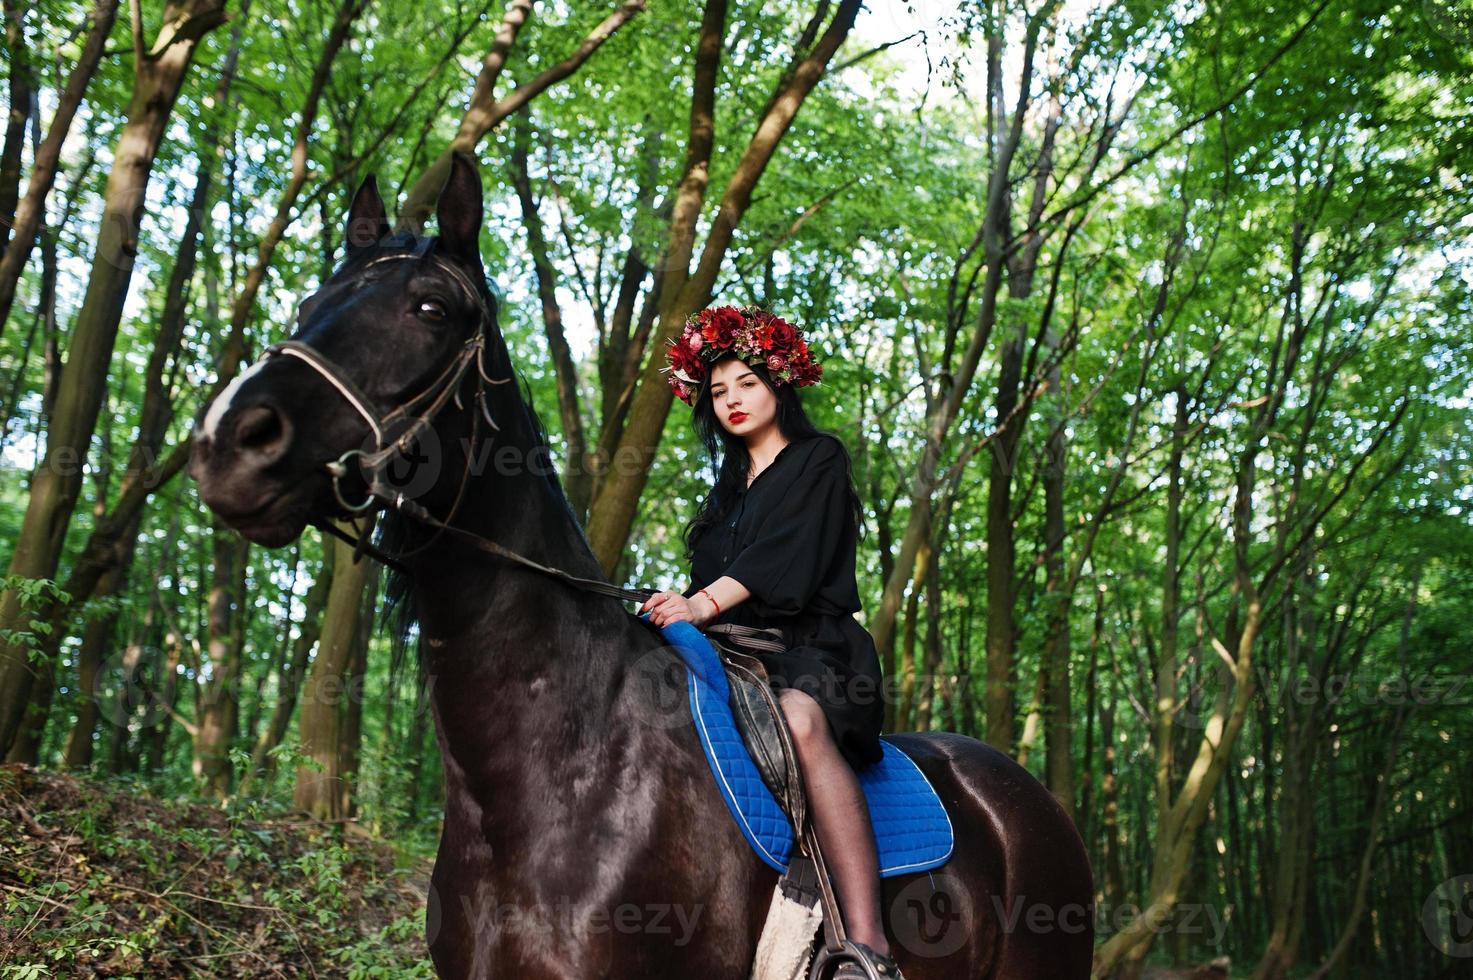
(22, 100)
(154, 741)
(97, 639)
(577, 476)
(931, 662)
(27, 745)
(905, 707)
(1058, 712)
(290, 685)
(1110, 803)
(158, 77)
(1364, 872)
(44, 317)
(352, 738)
(219, 696)
(320, 724)
(136, 153)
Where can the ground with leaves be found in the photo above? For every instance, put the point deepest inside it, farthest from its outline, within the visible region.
(97, 878)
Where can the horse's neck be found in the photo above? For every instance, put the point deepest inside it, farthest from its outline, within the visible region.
(514, 652)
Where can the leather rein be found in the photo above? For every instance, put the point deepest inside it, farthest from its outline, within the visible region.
(420, 412)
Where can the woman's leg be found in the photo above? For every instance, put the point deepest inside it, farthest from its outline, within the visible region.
(840, 818)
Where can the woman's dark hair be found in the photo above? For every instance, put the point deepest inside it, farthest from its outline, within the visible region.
(728, 452)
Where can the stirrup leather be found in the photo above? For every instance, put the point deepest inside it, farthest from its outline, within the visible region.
(762, 717)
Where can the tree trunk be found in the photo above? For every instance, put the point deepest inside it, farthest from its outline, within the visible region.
(905, 703)
(30, 212)
(1059, 724)
(1001, 567)
(154, 740)
(1110, 804)
(353, 679)
(290, 684)
(577, 476)
(27, 745)
(22, 99)
(320, 726)
(931, 663)
(158, 77)
(219, 700)
(97, 639)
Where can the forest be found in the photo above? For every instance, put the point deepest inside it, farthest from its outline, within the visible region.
(1148, 327)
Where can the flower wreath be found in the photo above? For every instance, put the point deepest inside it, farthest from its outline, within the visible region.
(754, 334)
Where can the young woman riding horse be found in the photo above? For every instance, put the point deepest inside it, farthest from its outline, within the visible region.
(774, 546)
(577, 792)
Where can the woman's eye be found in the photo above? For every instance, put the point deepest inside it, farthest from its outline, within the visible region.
(432, 309)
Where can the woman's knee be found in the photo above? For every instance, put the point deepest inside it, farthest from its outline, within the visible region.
(805, 718)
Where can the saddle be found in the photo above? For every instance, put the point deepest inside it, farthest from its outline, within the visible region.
(758, 715)
(744, 736)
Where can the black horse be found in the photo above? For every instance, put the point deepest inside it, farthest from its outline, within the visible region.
(583, 835)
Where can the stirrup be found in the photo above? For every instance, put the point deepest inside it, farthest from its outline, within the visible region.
(855, 960)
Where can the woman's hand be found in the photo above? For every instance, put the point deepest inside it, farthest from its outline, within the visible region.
(670, 607)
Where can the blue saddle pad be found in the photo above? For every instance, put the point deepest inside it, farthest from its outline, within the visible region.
(911, 826)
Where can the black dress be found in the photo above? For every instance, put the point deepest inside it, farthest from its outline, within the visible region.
(788, 540)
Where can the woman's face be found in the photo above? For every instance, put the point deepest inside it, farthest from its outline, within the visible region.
(742, 402)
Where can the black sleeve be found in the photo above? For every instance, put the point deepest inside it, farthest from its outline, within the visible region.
(795, 544)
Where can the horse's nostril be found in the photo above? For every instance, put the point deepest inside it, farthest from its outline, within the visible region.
(262, 429)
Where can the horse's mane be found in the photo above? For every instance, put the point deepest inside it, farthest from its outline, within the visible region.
(397, 534)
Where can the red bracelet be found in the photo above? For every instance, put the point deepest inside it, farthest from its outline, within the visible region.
(712, 598)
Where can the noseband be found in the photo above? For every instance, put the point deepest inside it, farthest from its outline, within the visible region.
(435, 396)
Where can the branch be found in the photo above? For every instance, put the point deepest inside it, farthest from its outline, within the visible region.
(1149, 153)
(479, 121)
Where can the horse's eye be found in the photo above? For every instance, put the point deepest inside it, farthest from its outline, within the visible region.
(432, 309)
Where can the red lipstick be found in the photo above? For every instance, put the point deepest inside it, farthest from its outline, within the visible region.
(738, 417)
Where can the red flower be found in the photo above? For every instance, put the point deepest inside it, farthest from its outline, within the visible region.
(783, 334)
(723, 325)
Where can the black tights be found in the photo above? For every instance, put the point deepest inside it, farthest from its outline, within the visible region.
(840, 818)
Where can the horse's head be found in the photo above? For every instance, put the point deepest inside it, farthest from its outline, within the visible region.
(397, 334)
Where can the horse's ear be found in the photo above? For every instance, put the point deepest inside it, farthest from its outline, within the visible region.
(459, 210)
(367, 220)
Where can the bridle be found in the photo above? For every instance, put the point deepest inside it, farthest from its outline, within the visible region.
(420, 412)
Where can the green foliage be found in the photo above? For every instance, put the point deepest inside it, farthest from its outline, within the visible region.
(35, 596)
(1297, 169)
